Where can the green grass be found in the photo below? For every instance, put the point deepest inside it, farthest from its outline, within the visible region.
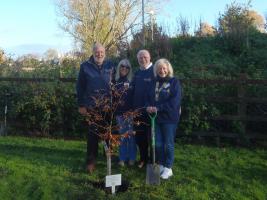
(54, 169)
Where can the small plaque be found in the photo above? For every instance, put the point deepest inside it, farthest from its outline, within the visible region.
(112, 181)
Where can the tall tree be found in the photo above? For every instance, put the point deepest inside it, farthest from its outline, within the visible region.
(158, 47)
(205, 29)
(235, 26)
(257, 20)
(104, 21)
(2, 56)
(183, 26)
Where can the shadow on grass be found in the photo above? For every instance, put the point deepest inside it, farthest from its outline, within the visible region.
(73, 160)
(43, 155)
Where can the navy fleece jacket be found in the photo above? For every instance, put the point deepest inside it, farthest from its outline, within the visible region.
(124, 98)
(139, 87)
(169, 99)
(93, 80)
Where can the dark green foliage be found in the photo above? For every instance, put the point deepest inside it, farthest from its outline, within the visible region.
(44, 108)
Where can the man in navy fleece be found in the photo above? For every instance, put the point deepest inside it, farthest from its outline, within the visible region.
(95, 76)
(142, 79)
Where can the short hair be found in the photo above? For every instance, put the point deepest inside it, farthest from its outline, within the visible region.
(97, 45)
(127, 63)
(165, 62)
(142, 51)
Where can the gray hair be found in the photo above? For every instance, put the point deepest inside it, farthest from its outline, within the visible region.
(124, 62)
(97, 45)
(163, 61)
(143, 51)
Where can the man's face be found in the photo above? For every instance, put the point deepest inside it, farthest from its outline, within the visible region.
(99, 55)
(144, 59)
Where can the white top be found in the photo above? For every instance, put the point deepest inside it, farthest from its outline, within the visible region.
(144, 68)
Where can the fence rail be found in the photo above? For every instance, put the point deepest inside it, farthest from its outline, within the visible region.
(241, 100)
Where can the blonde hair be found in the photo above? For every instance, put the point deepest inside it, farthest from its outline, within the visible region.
(163, 61)
(124, 62)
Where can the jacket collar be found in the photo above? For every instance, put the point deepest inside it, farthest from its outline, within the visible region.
(142, 68)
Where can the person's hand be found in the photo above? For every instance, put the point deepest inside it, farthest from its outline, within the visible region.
(148, 109)
(154, 109)
(151, 109)
(82, 110)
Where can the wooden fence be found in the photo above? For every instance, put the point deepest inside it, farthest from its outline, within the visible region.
(242, 100)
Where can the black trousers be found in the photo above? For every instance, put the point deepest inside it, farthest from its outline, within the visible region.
(93, 138)
(92, 145)
(142, 137)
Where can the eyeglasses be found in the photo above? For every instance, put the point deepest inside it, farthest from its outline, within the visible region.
(125, 66)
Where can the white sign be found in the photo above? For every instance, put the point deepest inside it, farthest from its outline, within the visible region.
(112, 181)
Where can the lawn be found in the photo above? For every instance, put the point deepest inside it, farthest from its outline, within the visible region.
(32, 168)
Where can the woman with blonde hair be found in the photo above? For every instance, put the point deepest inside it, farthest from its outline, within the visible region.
(164, 98)
(127, 148)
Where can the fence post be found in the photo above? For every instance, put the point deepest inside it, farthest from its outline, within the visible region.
(242, 106)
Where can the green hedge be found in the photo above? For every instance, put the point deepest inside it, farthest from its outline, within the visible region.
(49, 108)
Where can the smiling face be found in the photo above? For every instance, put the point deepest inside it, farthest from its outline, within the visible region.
(124, 70)
(143, 58)
(99, 55)
(162, 70)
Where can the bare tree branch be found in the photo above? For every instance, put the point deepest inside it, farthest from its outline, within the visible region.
(105, 21)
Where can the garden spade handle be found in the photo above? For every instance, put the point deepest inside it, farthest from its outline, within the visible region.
(152, 118)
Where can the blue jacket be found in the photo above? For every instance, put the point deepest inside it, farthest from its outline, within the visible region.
(165, 94)
(124, 96)
(139, 87)
(93, 81)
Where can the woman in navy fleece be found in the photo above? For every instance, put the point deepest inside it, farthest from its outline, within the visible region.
(127, 148)
(164, 98)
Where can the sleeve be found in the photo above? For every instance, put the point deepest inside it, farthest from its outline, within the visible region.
(81, 87)
(174, 101)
